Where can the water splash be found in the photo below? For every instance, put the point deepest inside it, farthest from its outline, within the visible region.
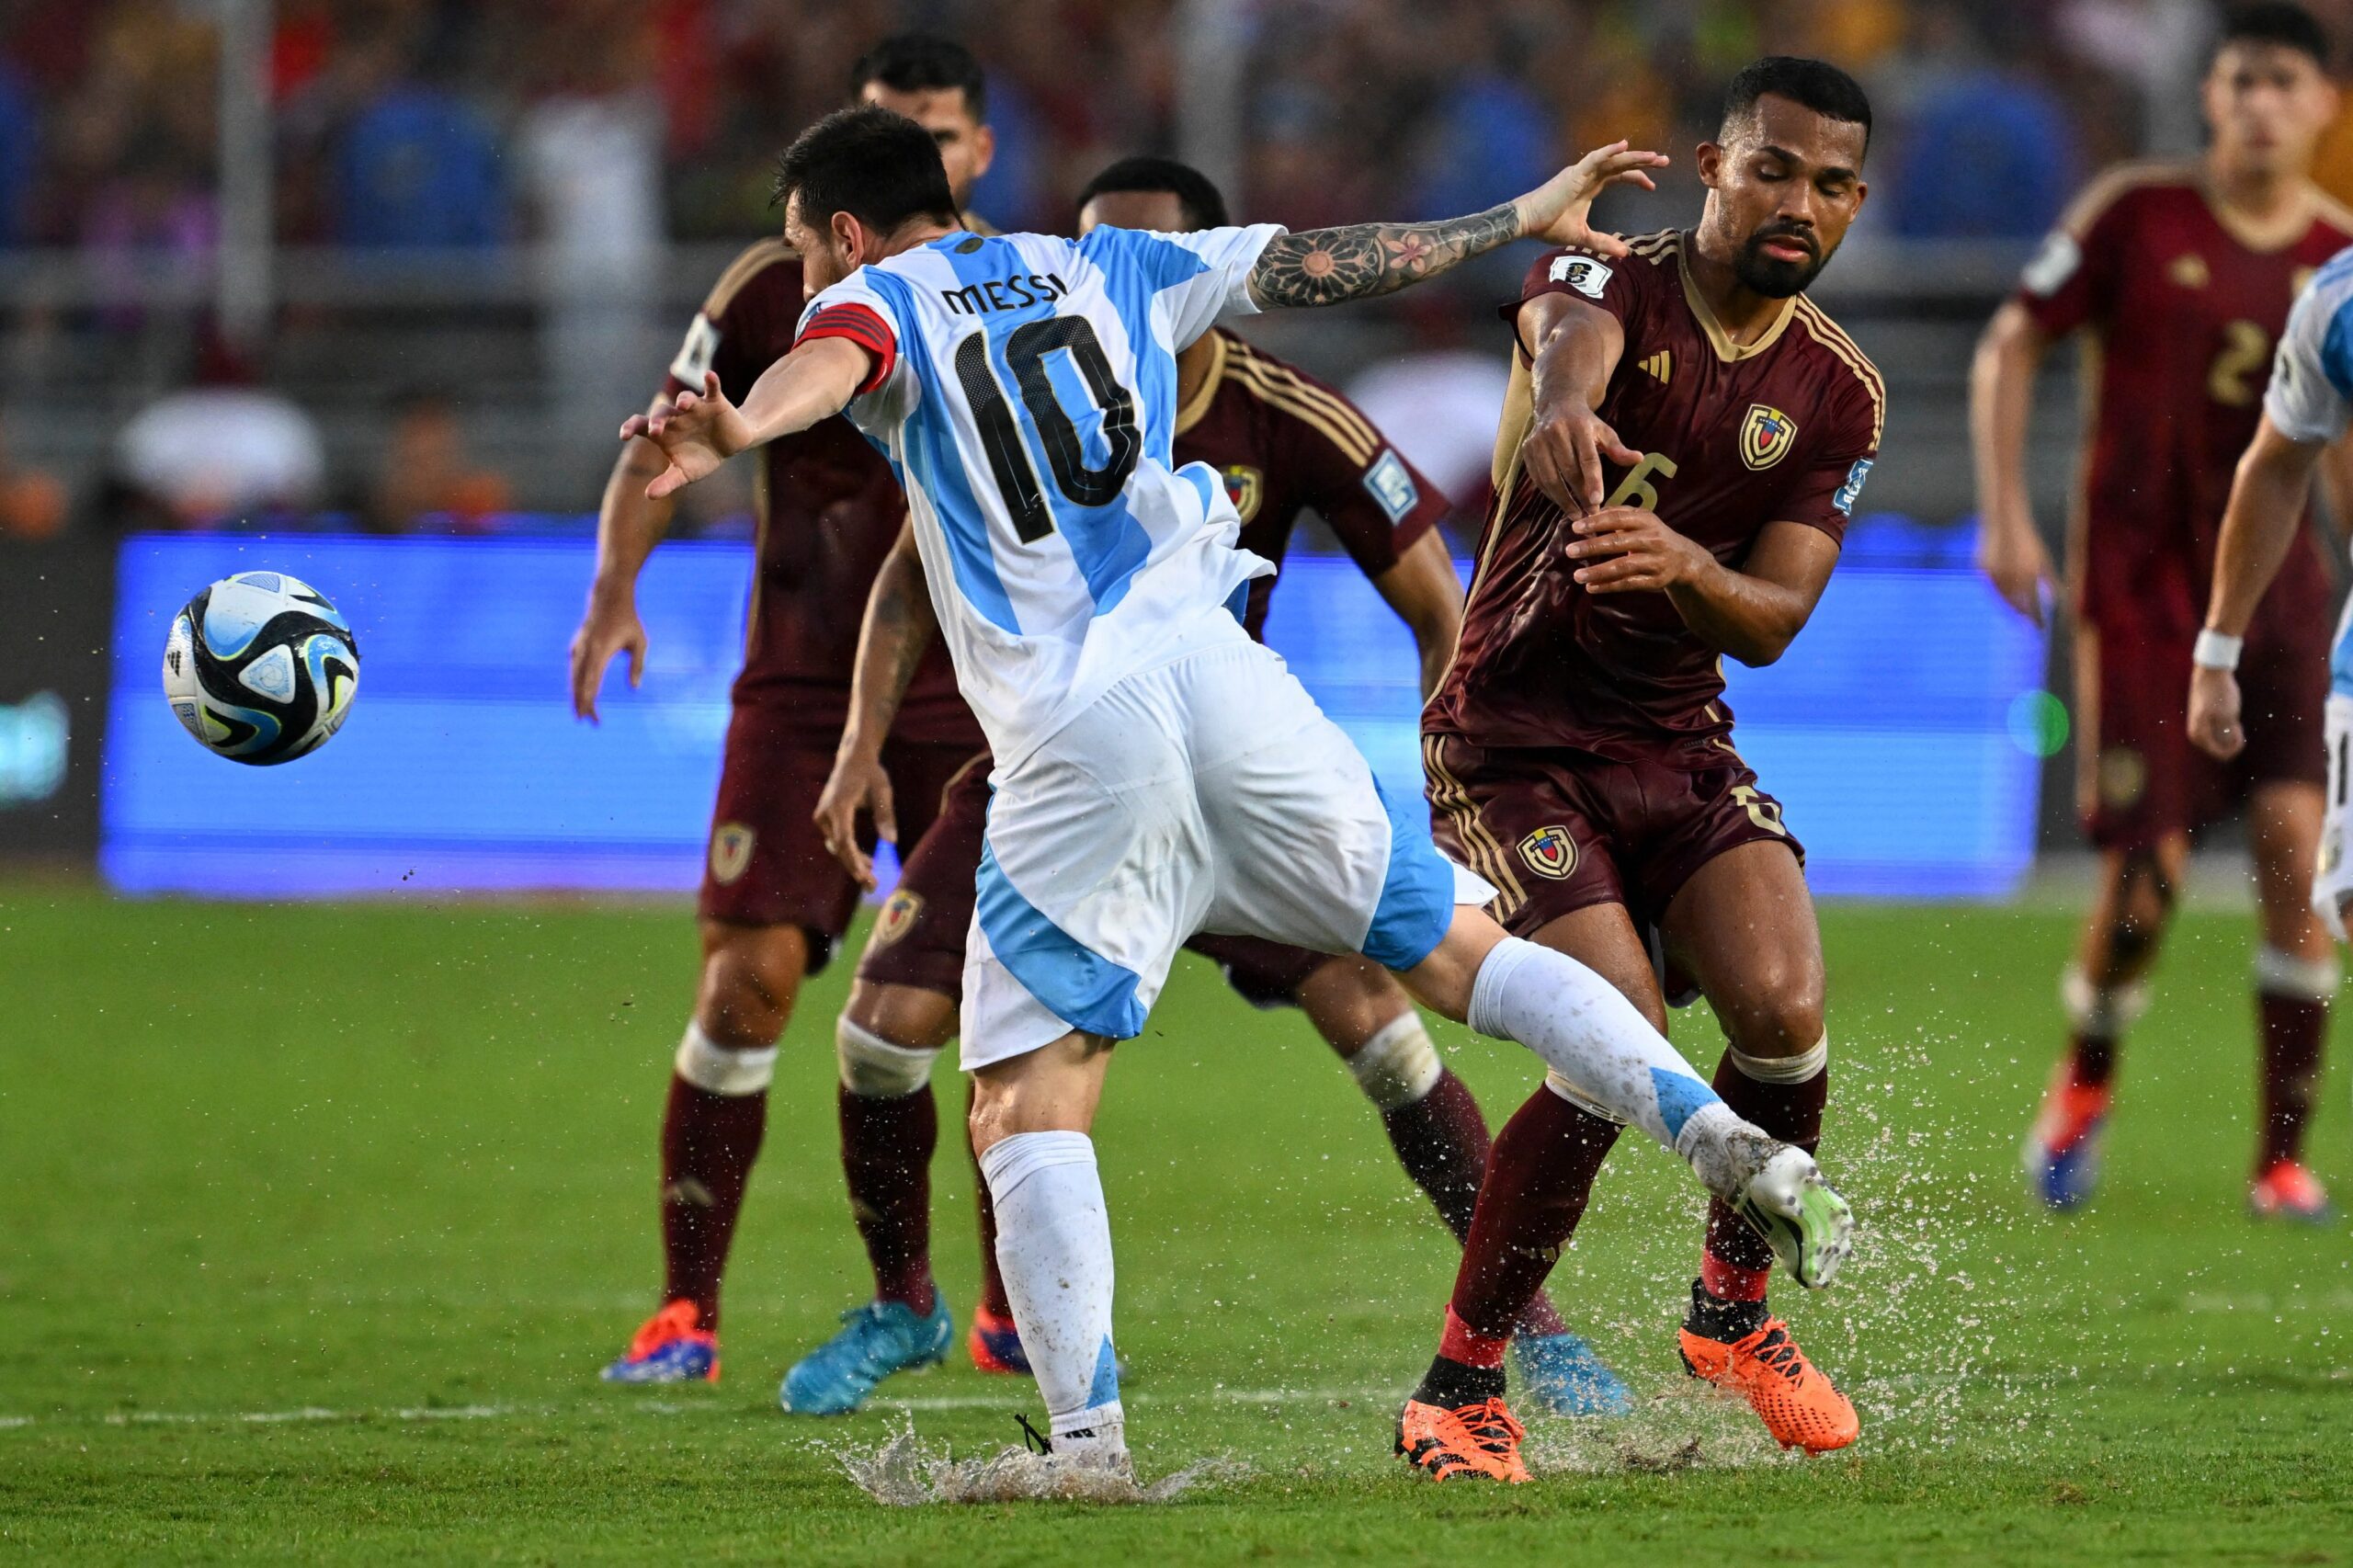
(903, 1472)
(1677, 1428)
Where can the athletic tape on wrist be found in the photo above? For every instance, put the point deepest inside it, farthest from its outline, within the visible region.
(2102, 1013)
(716, 1070)
(877, 1069)
(2216, 651)
(2285, 974)
(1398, 1066)
(1783, 1069)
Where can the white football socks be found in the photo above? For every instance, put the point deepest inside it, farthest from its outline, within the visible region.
(1053, 1247)
(1599, 1044)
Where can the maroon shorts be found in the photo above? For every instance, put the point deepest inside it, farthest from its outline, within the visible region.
(918, 939)
(2139, 779)
(1557, 830)
(768, 864)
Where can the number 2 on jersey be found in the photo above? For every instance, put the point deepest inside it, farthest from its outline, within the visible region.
(2247, 349)
(1009, 466)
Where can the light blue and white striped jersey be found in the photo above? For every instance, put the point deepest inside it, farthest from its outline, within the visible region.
(2311, 395)
(1027, 400)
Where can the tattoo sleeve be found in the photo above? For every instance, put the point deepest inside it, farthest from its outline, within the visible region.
(1325, 266)
(898, 629)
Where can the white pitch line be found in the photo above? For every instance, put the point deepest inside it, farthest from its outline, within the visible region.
(309, 1412)
(919, 1404)
(923, 1402)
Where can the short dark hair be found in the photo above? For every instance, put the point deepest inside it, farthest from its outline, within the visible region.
(2276, 22)
(923, 62)
(1197, 195)
(881, 168)
(1815, 83)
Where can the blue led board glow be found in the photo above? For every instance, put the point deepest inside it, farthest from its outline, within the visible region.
(1885, 732)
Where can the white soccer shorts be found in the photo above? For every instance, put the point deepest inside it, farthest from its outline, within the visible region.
(1209, 794)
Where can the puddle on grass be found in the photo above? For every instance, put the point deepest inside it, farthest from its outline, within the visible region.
(903, 1472)
(1673, 1430)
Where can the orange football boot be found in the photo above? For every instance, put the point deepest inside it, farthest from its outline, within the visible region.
(1479, 1440)
(2290, 1191)
(669, 1347)
(1800, 1407)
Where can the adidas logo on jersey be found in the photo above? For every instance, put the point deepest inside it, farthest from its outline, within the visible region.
(1661, 366)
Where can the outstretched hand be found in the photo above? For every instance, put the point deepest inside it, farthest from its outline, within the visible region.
(1558, 211)
(697, 431)
(858, 785)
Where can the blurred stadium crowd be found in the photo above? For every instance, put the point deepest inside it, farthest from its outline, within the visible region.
(616, 131)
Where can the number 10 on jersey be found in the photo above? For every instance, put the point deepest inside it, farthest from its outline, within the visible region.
(1009, 466)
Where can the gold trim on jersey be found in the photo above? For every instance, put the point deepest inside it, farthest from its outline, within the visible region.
(1827, 332)
(1718, 338)
(2263, 236)
(1284, 389)
(1206, 393)
(1655, 248)
(1485, 850)
(2327, 210)
(2117, 182)
(957, 777)
(755, 260)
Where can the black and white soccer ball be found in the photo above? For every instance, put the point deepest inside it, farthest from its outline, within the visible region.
(261, 669)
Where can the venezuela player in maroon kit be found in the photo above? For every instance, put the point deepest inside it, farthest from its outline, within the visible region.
(1681, 447)
(1284, 442)
(773, 902)
(2182, 276)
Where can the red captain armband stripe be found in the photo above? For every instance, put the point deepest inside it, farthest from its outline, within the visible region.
(861, 325)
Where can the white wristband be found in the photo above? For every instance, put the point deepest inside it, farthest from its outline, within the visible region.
(2216, 652)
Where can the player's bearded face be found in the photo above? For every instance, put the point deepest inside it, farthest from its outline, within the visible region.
(821, 262)
(1766, 263)
(1782, 190)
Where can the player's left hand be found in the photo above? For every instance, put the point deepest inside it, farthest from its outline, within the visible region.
(1626, 550)
(857, 783)
(2214, 725)
(697, 431)
(1557, 212)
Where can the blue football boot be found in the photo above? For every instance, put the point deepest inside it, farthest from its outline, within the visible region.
(876, 1340)
(1560, 1374)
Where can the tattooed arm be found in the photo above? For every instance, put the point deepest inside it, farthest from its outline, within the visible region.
(1357, 261)
(898, 629)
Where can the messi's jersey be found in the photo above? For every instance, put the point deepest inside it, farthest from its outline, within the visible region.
(1024, 388)
(2311, 400)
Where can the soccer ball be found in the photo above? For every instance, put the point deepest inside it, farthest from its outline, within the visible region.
(261, 669)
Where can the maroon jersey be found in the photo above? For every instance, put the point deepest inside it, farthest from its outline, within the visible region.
(2184, 303)
(1782, 429)
(828, 513)
(1286, 442)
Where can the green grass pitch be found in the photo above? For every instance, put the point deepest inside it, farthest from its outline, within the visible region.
(319, 1220)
